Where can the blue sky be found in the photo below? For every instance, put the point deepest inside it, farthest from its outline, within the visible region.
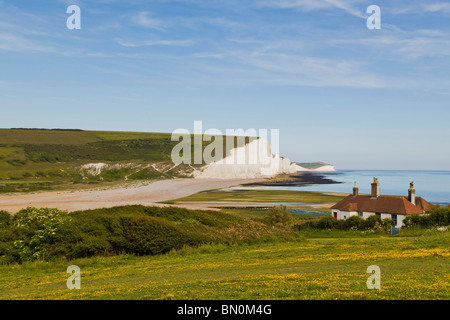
(337, 91)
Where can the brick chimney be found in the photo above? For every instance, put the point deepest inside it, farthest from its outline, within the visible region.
(412, 193)
(375, 188)
(355, 190)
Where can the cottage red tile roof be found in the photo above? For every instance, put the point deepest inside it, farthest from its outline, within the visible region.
(382, 204)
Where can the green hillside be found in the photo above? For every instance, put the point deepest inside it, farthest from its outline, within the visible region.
(43, 159)
(312, 165)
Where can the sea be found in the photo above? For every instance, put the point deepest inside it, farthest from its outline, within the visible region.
(433, 186)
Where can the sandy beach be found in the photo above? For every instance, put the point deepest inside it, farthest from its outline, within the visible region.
(147, 195)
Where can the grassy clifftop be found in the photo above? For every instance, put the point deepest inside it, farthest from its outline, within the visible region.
(42, 159)
(36, 159)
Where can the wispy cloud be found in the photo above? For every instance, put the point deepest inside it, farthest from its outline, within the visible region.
(437, 7)
(402, 46)
(148, 43)
(13, 42)
(312, 71)
(310, 5)
(145, 20)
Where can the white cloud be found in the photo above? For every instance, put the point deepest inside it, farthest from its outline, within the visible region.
(312, 71)
(154, 43)
(309, 5)
(143, 20)
(437, 7)
(404, 47)
(13, 42)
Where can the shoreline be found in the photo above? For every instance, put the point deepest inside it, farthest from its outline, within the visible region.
(148, 195)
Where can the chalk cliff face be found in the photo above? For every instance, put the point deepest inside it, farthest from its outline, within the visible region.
(327, 167)
(254, 160)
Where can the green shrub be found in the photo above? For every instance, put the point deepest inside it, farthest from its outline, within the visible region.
(372, 222)
(387, 223)
(327, 223)
(150, 235)
(36, 230)
(5, 219)
(280, 216)
(91, 246)
(354, 223)
(46, 234)
(436, 217)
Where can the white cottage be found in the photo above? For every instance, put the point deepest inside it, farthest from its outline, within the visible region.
(393, 207)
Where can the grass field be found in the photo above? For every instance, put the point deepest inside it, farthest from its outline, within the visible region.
(262, 264)
(259, 196)
(413, 267)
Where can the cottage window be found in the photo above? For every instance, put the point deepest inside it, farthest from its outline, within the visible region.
(394, 218)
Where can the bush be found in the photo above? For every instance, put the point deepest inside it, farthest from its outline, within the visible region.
(149, 235)
(354, 223)
(387, 223)
(372, 222)
(35, 231)
(327, 223)
(436, 217)
(5, 219)
(280, 216)
(46, 234)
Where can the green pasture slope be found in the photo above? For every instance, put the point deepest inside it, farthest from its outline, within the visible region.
(137, 252)
(411, 268)
(40, 159)
(35, 159)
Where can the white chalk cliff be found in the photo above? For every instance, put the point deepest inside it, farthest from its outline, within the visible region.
(253, 160)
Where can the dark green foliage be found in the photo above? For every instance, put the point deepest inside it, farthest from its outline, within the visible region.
(156, 149)
(5, 219)
(26, 187)
(145, 149)
(435, 217)
(372, 222)
(31, 233)
(16, 162)
(150, 235)
(46, 234)
(327, 223)
(354, 223)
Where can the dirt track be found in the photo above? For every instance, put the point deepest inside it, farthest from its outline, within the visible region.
(92, 199)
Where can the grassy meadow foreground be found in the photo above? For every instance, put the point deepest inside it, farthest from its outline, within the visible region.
(136, 252)
(326, 268)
